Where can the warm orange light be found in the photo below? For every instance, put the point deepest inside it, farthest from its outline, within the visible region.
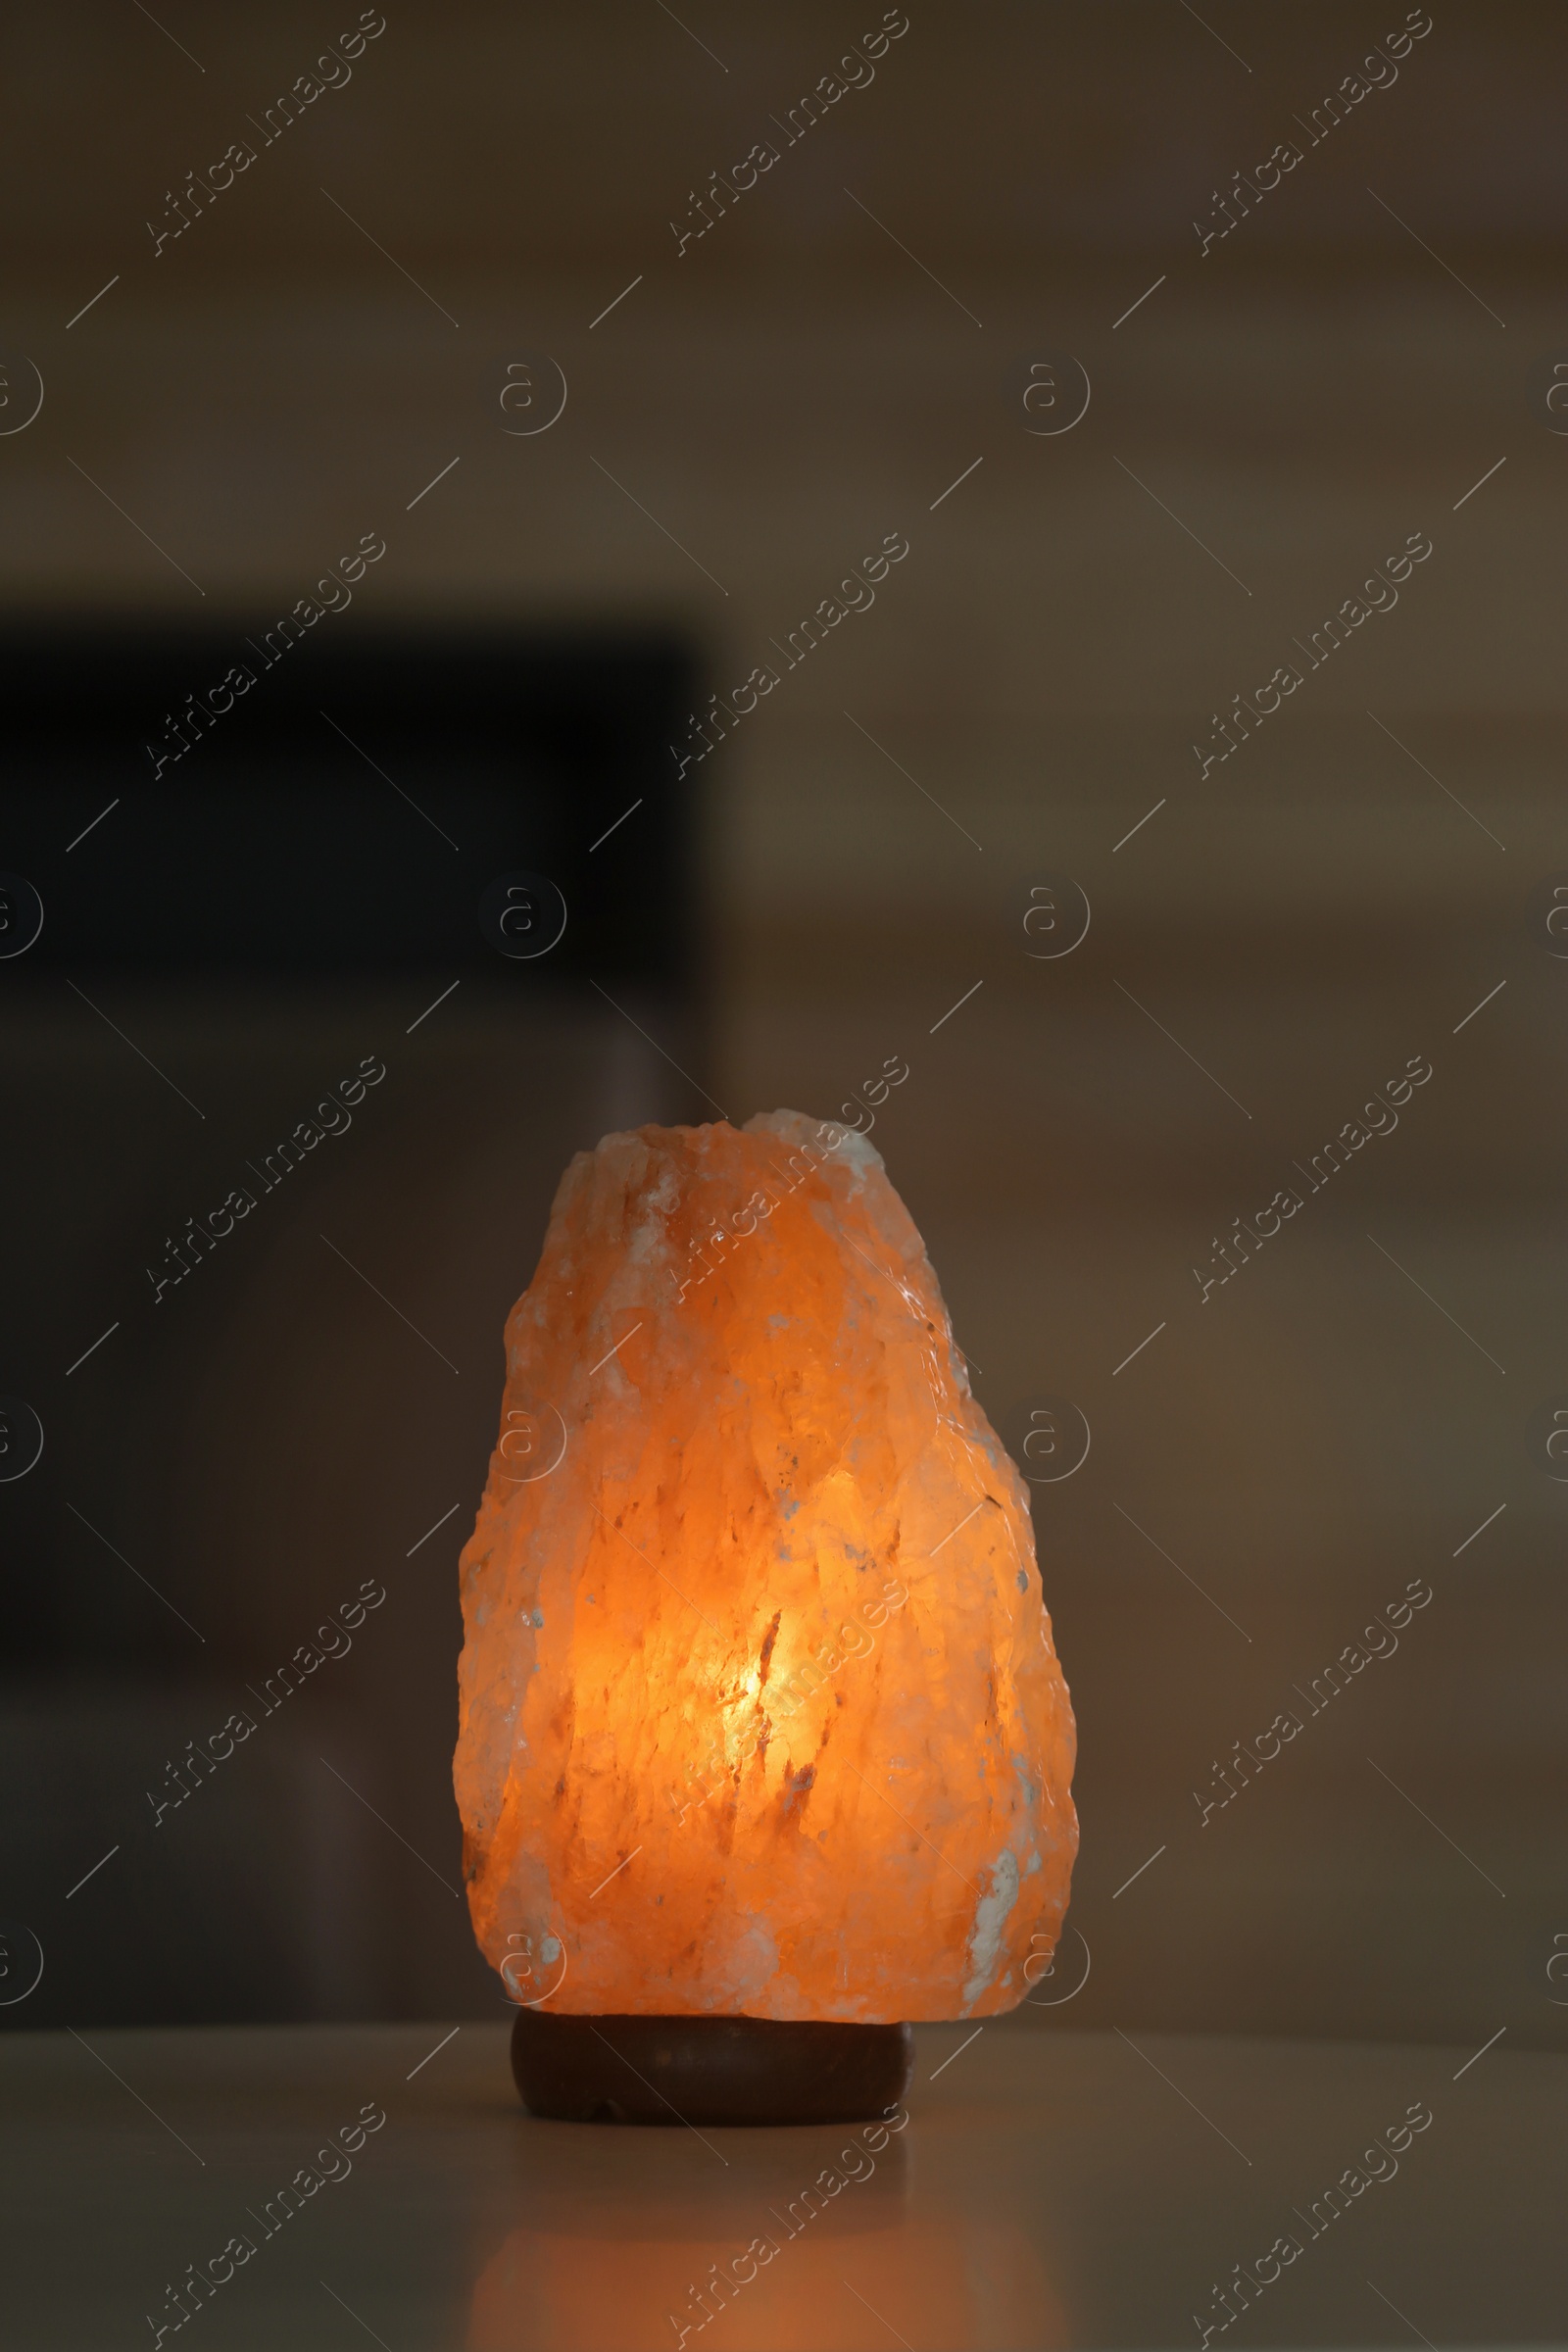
(759, 1710)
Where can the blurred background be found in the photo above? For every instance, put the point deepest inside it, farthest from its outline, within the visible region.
(368, 335)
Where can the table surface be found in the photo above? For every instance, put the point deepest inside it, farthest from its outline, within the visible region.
(1050, 2188)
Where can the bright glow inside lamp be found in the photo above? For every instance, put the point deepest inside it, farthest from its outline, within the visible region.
(764, 1750)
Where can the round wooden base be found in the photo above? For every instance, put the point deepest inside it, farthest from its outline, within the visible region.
(708, 2070)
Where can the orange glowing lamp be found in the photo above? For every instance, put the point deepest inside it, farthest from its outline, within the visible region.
(762, 1723)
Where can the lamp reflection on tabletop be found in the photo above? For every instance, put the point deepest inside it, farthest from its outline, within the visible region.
(963, 2283)
(815, 2239)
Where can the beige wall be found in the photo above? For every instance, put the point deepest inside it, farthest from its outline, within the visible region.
(1315, 912)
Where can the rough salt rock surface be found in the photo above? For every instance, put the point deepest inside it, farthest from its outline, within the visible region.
(759, 1709)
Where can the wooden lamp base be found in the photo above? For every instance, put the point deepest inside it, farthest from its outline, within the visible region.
(708, 2070)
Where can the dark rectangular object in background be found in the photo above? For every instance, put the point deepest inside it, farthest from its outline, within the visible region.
(344, 812)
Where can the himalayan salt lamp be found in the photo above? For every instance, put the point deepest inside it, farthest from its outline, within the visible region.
(763, 1747)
